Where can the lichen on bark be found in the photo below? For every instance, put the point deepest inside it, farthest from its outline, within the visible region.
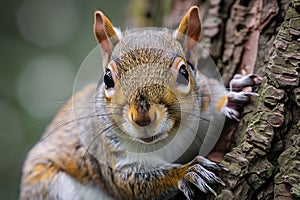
(271, 146)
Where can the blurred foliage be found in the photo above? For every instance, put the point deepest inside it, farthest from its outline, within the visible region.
(148, 13)
(42, 44)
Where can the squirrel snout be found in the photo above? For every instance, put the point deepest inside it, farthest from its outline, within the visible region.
(140, 116)
(142, 120)
(140, 112)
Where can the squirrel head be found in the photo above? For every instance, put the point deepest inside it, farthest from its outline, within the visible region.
(149, 85)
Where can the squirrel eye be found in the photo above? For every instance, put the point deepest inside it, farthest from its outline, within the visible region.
(108, 79)
(183, 75)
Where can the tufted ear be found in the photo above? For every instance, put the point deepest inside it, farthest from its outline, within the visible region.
(105, 32)
(190, 26)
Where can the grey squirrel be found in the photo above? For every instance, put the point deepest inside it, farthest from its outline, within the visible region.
(120, 142)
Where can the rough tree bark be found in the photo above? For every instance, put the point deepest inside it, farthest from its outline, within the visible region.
(254, 36)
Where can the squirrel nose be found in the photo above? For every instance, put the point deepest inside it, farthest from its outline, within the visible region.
(140, 114)
(143, 121)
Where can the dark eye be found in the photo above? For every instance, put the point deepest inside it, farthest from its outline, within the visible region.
(108, 79)
(183, 75)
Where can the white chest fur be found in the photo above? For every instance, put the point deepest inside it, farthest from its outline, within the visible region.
(67, 188)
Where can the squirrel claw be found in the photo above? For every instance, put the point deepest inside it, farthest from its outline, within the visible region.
(197, 180)
(236, 102)
(207, 163)
(239, 82)
(186, 189)
(238, 98)
(205, 174)
(200, 176)
(231, 113)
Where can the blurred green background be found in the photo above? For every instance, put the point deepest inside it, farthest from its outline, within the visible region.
(42, 44)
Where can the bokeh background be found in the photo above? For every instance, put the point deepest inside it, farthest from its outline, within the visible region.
(42, 44)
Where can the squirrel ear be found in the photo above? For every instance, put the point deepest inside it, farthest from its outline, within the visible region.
(104, 32)
(190, 27)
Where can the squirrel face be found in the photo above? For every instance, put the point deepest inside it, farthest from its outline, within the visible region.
(149, 85)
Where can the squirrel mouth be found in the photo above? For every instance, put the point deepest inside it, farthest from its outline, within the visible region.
(151, 139)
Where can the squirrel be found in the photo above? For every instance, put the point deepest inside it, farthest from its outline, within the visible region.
(137, 133)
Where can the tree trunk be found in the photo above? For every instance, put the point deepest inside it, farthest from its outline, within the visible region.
(255, 36)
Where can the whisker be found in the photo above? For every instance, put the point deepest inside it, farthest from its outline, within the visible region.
(73, 109)
(109, 128)
(194, 115)
(188, 127)
(62, 125)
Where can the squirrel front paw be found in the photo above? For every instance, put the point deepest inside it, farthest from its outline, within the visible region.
(237, 98)
(199, 174)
